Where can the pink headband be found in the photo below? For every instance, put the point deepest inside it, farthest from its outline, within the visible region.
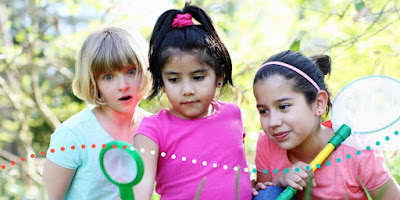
(293, 69)
(182, 20)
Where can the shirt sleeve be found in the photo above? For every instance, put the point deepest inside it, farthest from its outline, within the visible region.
(64, 148)
(150, 128)
(243, 131)
(372, 169)
(262, 152)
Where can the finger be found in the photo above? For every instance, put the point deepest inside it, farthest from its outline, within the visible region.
(303, 183)
(314, 184)
(269, 183)
(299, 180)
(261, 185)
(254, 192)
(294, 185)
(303, 174)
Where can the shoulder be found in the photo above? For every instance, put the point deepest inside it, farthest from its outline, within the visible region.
(161, 115)
(79, 126)
(82, 117)
(225, 106)
(364, 160)
(264, 142)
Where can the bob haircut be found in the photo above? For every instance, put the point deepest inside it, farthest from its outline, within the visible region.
(106, 50)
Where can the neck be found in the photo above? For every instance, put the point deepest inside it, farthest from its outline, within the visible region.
(311, 146)
(119, 118)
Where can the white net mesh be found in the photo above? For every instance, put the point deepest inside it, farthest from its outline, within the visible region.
(371, 107)
(120, 165)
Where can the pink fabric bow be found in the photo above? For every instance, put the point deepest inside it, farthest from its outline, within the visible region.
(182, 20)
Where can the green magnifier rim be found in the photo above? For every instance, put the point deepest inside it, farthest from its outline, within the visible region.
(116, 144)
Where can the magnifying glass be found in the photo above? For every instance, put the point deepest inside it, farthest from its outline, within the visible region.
(123, 166)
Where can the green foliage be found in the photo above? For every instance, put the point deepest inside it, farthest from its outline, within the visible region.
(359, 6)
(295, 46)
(365, 189)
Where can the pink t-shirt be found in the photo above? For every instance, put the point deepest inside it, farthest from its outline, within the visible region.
(208, 147)
(335, 181)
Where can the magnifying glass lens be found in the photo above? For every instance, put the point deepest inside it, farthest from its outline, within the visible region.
(120, 166)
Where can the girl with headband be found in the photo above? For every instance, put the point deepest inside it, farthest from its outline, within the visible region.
(198, 138)
(291, 96)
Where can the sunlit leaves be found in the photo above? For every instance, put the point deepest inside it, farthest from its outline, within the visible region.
(295, 46)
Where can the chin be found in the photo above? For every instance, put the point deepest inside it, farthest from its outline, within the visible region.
(286, 146)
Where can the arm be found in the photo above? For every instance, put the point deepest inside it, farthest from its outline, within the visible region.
(388, 191)
(263, 180)
(144, 189)
(56, 179)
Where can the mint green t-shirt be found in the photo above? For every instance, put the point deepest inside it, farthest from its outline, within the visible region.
(89, 181)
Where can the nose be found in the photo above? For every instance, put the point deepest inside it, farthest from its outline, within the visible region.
(274, 120)
(123, 84)
(187, 88)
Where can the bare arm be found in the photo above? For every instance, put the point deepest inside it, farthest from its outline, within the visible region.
(144, 189)
(56, 179)
(262, 177)
(263, 180)
(390, 191)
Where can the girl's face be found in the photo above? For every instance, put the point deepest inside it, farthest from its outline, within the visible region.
(285, 116)
(120, 89)
(189, 85)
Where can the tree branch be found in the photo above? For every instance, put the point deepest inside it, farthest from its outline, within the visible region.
(24, 139)
(44, 110)
(355, 39)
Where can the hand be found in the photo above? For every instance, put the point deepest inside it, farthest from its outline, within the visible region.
(296, 177)
(259, 186)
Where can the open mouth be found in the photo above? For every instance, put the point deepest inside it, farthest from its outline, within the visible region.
(125, 98)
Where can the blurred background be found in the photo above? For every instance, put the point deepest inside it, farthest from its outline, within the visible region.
(39, 40)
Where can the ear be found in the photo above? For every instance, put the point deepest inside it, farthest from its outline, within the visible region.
(163, 89)
(321, 103)
(219, 82)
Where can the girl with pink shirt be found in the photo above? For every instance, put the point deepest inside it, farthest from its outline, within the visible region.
(291, 96)
(199, 140)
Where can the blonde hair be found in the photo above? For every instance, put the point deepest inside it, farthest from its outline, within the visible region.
(106, 50)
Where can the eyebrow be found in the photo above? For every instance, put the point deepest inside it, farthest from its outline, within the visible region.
(277, 101)
(193, 72)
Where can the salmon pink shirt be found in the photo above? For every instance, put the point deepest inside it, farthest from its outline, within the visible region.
(337, 180)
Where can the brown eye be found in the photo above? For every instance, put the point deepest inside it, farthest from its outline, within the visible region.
(283, 107)
(173, 80)
(198, 78)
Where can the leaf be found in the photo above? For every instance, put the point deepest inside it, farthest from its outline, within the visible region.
(307, 193)
(365, 189)
(200, 188)
(237, 184)
(359, 6)
(295, 46)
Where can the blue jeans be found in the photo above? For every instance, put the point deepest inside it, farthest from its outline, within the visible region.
(272, 192)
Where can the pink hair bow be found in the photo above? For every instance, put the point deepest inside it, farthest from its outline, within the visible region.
(182, 20)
